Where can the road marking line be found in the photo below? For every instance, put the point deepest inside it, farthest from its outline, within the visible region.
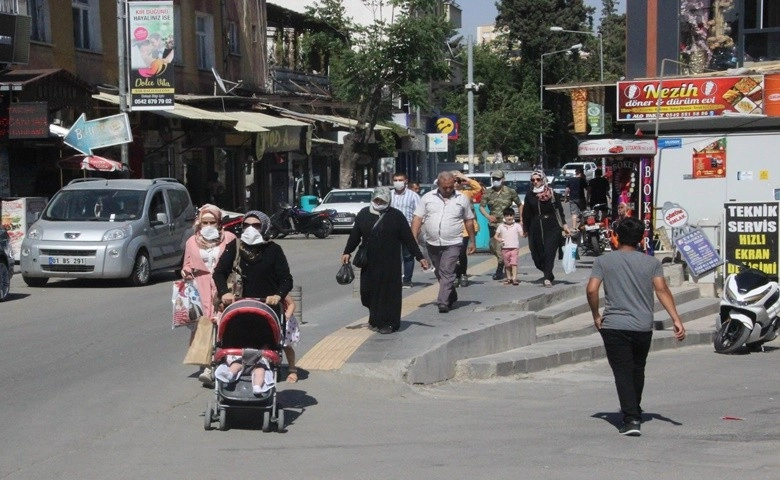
(333, 351)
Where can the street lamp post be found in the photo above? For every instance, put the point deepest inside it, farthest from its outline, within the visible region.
(601, 62)
(573, 48)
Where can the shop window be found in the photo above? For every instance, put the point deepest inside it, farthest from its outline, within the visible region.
(86, 24)
(762, 14)
(40, 25)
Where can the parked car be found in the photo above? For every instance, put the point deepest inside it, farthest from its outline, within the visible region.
(98, 228)
(347, 202)
(589, 168)
(6, 264)
(559, 185)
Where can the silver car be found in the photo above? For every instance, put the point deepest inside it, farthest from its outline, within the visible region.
(347, 202)
(97, 228)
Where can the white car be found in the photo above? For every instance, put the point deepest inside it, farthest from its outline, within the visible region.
(589, 168)
(347, 202)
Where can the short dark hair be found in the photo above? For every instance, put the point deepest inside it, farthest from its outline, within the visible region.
(598, 172)
(578, 170)
(630, 231)
(509, 211)
(400, 174)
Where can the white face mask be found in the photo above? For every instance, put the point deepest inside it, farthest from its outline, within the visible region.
(379, 206)
(252, 236)
(399, 185)
(496, 183)
(209, 233)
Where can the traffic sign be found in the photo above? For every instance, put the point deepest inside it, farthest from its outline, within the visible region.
(86, 135)
(437, 142)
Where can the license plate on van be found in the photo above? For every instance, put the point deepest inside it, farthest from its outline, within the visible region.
(67, 261)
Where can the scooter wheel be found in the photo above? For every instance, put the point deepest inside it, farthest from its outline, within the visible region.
(731, 336)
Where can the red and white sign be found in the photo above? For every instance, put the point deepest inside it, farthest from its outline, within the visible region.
(690, 97)
(616, 147)
(676, 217)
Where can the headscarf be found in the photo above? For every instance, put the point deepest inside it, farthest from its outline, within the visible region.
(214, 211)
(253, 253)
(543, 192)
(380, 193)
(265, 222)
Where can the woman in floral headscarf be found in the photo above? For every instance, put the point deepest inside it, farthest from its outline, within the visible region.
(543, 224)
(201, 254)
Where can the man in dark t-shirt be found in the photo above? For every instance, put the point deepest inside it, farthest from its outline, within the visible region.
(576, 188)
(599, 190)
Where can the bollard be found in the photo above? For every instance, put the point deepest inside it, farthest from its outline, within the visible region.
(356, 283)
(297, 295)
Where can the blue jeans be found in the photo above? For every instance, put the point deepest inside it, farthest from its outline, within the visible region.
(627, 354)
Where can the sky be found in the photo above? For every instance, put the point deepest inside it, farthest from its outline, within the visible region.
(483, 12)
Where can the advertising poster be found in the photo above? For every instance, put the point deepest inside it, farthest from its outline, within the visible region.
(709, 161)
(699, 253)
(151, 43)
(690, 97)
(752, 236)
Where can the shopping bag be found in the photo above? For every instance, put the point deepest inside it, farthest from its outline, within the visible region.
(569, 256)
(187, 306)
(200, 352)
(345, 274)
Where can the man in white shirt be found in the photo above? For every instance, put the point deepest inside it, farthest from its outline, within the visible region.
(406, 201)
(441, 215)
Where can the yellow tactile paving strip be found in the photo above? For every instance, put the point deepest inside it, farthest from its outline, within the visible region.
(333, 351)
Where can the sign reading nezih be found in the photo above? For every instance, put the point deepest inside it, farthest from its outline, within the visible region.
(690, 97)
(752, 236)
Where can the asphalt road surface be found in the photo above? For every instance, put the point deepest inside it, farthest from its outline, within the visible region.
(93, 387)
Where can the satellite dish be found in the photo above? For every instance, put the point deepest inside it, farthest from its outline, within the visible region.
(219, 82)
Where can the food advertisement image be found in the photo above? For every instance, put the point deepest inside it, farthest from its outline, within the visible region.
(17, 216)
(710, 161)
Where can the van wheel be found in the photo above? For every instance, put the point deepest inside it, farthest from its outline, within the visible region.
(5, 280)
(141, 270)
(35, 282)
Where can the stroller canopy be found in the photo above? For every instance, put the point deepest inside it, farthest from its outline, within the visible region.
(249, 323)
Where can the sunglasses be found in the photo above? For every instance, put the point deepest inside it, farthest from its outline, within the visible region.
(256, 226)
(535, 180)
(496, 178)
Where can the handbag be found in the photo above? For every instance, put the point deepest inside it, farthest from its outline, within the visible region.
(200, 350)
(360, 259)
(187, 306)
(345, 274)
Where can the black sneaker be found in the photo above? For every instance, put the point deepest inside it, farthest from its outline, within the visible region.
(631, 429)
(408, 284)
(499, 275)
(444, 309)
(464, 281)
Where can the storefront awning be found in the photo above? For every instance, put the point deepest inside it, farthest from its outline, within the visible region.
(260, 122)
(334, 120)
(180, 110)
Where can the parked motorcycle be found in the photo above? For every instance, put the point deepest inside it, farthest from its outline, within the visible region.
(593, 230)
(289, 220)
(749, 309)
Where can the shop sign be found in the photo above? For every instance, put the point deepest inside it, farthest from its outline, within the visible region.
(28, 120)
(699, 253)
(616, 147)
(280, 139)
(710, 160)
(752, 236)
(152, 49)
(689, 97)
(676, 217)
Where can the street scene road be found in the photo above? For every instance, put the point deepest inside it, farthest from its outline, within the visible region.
(93, 387)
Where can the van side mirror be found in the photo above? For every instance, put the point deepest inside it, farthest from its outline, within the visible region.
(162, 218)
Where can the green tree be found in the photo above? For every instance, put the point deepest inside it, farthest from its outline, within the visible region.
(387, 60)
(613, 32)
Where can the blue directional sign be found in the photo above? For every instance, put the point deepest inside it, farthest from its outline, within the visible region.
(437, 142)
(86, 135)
(670, 143)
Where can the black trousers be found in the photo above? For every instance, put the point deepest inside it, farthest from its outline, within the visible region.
(463, 259)
(627, 354)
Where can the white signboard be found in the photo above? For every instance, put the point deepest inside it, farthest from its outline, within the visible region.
(437, 142)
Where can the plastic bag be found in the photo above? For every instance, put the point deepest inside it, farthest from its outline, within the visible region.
(569, 256)
(345, 274)
(187, 306)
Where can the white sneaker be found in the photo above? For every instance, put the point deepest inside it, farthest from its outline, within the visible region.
(206, 376)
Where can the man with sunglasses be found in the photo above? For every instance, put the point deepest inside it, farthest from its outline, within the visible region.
(497, 198)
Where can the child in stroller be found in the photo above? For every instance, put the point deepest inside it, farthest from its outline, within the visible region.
(247, 354)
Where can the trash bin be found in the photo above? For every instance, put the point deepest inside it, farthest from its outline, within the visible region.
(308, 202)
(483, 235)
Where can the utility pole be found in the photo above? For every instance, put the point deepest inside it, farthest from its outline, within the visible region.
(121, 21)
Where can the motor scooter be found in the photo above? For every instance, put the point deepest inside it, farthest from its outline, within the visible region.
(749, 308)
(289, 220)
(593, 234)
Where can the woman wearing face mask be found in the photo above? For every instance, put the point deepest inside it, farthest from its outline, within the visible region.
(201, 254)
(383, 229)
(264, 268)
(542, 223)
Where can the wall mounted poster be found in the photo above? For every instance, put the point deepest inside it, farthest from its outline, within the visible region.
(709, 161)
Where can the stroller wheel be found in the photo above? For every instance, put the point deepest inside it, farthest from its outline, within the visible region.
(223, 419)
(208, 416)
(280, 420)
(266, 421)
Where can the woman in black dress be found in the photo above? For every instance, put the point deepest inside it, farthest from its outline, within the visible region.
(383, 229)
(543, 225)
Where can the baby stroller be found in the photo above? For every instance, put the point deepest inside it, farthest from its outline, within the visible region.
(249, 331)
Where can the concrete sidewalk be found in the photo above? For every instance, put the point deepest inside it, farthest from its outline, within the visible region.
(495, 329)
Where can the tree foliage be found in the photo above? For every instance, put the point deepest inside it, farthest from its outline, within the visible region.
(389, 58)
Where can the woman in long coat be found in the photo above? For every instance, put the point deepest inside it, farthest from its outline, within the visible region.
(383, 230)
(543, 225)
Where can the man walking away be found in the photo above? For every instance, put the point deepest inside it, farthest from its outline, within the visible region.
(576, 188)
(442, 214)
(598, 191)
(405, 200)
(626, 326)
(497, 198)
